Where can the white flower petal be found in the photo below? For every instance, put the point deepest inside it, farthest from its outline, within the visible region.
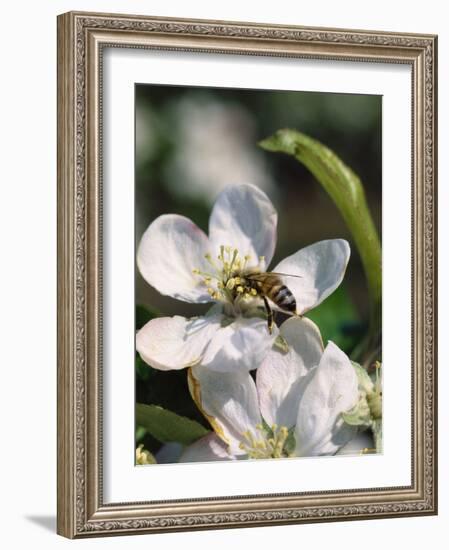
(241, 345)
(207, 449)
(326, 392)
(321, 268)
(243, 217)
(170, 249)
(280, 373)
(340, 435)
(168, 343)
(229, 402)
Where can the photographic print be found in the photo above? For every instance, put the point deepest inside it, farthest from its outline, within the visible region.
(258, 280)
(246, 256)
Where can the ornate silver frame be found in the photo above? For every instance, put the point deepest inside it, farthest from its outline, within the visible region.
(81, 39)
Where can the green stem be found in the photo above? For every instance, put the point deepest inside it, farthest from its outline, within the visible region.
(346, 190)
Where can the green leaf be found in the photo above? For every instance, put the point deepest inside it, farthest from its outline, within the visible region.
(143, 315)
(338, 320)
(166, 426)
(346, 190)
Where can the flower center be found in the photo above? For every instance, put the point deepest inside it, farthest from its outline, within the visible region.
(225, 279)
(267, 443)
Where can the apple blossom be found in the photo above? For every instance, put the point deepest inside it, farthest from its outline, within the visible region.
(179, 260)
(294, 408)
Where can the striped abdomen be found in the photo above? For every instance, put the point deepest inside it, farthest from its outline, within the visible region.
(282, 297)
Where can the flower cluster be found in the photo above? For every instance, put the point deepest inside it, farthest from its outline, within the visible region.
(296, 402)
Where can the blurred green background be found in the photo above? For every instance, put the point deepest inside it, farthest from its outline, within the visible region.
(193, 142)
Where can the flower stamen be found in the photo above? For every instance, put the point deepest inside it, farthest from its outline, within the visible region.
(208, 257)
(265, 442)
(229, 274)
(231, 283)
(234, 257)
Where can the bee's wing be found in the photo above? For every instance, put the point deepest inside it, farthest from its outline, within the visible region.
(271, 277)
(284, 274)
(267, 278)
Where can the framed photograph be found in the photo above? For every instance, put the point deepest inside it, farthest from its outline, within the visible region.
(246, 274)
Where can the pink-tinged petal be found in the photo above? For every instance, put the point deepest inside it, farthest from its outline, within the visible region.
(172, 343)
(170, 249)
(239, 346)
(207, 449)
(243, 217)
(229, 402)
(319, 270)
(326, 391)
(281, 372)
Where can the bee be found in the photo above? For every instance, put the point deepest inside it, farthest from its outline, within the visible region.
(269, 285)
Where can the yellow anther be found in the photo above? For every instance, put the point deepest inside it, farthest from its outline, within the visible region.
(220, 285)
(211, 291)
(237, 280)
(230, 284)
(253, 292)
(240, 289)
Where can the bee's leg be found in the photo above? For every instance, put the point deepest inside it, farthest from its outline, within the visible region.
(269, 314)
